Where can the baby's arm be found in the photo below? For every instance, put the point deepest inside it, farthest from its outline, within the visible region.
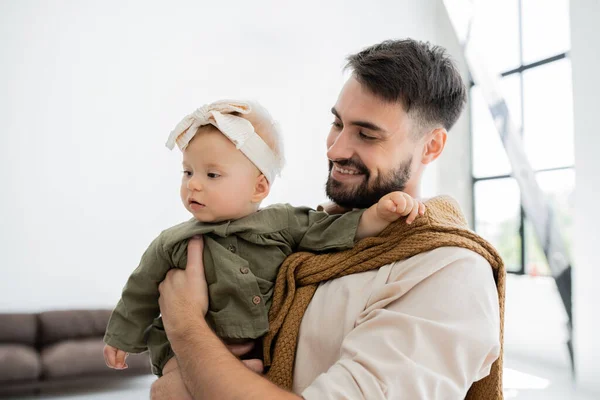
(137, 307)
(389, 208)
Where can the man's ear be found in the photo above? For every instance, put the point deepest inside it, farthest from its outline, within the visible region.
(436, 140)
(261, 189)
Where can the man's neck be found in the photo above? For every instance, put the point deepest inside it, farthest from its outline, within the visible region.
(413, 190)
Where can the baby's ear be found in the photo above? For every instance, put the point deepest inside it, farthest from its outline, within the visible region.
(261, 189)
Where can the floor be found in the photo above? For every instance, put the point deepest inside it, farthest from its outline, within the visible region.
(526, 380)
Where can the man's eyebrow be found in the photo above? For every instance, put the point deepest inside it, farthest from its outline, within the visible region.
(364, 124)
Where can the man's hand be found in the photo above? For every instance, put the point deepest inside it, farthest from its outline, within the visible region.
(207, 368)
(399, 204)
(241, 349)
(171, 385)
(183, 297)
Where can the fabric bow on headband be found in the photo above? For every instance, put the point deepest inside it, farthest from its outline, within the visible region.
(237, 129)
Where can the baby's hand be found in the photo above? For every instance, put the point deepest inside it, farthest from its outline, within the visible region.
(115, 358)
(399, 204)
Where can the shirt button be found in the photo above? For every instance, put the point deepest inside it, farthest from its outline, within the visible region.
(256, 299)
(231, 248)
(244, 270)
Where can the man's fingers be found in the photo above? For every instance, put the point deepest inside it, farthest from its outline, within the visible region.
(170, 365)
(255, 365)
(169, 386)
(194, 255)
(239, 349)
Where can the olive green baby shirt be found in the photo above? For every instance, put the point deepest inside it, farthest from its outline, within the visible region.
(241, 259)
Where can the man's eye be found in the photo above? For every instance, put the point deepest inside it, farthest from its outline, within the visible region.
(366, 137)
(337, 124)
(213, 175)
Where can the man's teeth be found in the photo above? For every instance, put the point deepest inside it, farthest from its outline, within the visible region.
(346, 171)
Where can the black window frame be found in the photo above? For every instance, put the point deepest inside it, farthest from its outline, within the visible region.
(475, 179)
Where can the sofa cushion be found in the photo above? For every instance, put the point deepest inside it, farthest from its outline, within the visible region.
(56, 326)
(19, 363)
(81, 357)
(18, 328)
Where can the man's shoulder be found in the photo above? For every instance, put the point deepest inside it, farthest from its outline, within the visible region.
(454, 275)
(449, 253)
(462, 261)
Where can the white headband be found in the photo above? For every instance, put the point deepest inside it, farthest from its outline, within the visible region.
(237, 129)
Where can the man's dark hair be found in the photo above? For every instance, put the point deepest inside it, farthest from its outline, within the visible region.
(420, 76)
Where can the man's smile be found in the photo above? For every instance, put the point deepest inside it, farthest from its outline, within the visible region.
(345, 173)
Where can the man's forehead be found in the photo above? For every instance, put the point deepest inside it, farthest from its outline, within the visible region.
(356, 102)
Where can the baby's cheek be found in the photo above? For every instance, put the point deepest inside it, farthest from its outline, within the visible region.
(235, 203)
(183, 193)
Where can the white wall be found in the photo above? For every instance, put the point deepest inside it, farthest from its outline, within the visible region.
(90, 90)
(452, 171)
(585, 58)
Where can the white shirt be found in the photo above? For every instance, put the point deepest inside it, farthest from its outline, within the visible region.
(423, 328)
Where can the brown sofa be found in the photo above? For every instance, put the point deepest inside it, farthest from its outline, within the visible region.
(57, 348)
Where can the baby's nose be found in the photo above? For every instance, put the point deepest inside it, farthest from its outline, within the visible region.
(194, 184)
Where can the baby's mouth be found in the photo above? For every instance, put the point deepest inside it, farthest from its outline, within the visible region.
(195, 205)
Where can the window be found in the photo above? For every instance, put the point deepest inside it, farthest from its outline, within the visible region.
(527, 44)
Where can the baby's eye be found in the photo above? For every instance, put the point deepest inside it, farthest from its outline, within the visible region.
(213, 175)
(187, 173)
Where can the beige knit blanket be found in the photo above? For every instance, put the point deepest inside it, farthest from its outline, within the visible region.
(442, 225)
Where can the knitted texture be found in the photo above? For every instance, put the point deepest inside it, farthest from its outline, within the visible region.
(442, 225)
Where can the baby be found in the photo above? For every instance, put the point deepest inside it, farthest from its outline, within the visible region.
(231, 155)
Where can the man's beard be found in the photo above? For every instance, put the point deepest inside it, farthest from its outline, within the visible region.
(363, 196)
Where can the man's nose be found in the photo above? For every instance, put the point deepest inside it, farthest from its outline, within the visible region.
(339, 147)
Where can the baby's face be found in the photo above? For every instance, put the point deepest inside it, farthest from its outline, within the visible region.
(218, 180)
